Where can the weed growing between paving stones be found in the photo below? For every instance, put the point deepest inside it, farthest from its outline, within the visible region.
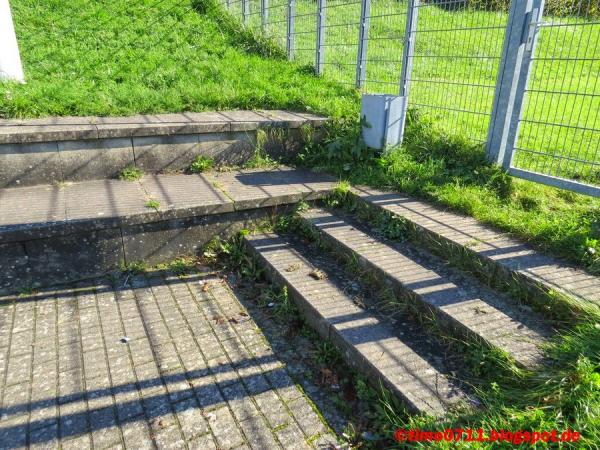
(134, 267)
(131, 174)
(201, 164)
(152, 204)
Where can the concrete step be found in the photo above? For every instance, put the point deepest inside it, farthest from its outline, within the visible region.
(71, 149)
(366, 342)
(494, 254)
(459, 304)
(54, 234)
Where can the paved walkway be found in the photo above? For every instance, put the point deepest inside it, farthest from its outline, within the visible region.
(165, 363)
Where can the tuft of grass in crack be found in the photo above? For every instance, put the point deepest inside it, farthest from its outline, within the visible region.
(180, 266)
(131, 174)
(231, 255)
(260, 158)
(27, 291)
(201, 164)
(152, 204)
(134, 267)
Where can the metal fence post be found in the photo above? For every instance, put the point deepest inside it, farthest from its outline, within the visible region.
(264, 8)
(245, 10)
(513, 75)
(410, 38)
(412, 15)
(363, 41)
(228, 4)
(291, 21)
(320, 56)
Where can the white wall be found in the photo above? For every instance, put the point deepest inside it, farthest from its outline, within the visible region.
(10, 60)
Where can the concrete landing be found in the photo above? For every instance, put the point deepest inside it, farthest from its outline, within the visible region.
(145, 365)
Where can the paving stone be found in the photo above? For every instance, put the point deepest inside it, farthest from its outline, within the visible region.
(273, 408)
(266, 187)
(137, 435)
(179, 195)
(307, 418)
(77, 443)
(292, 438)
(205, 442)
(44, 204)
(169, 438)
(240, 401)
(44, 438)
(100, 391)
(106, 436)
(190, 418)
(258, 434)
(225, 429)
(103, 199)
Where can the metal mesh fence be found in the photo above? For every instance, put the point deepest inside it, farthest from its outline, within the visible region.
(560, 124)
(276, 21)
(341, 39)
(387, 25)
(457, 56)
(305, 31)
(455, 65)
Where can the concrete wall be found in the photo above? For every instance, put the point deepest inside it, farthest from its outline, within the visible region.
(88, 254)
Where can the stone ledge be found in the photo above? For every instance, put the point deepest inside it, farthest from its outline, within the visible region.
(55, 234)
(461, 305)
(365, 342)
(53, 129)
(501, 257)
(48, 210)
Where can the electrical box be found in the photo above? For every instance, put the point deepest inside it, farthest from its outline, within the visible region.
(382, 118)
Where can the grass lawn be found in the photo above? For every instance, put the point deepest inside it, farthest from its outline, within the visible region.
(122, 57)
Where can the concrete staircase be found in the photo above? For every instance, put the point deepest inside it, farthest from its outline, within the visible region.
(62, 220)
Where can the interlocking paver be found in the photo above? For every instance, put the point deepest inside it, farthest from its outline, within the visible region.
(182, 380)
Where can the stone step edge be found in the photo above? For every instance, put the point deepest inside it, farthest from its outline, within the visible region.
(541, 294)
(53, 129)
(328, 331)
(25, 232)
(385, 279)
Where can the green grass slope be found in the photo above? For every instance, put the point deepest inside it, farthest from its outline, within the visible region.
(122, 57)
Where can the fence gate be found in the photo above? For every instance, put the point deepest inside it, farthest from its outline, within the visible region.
(546, 120)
